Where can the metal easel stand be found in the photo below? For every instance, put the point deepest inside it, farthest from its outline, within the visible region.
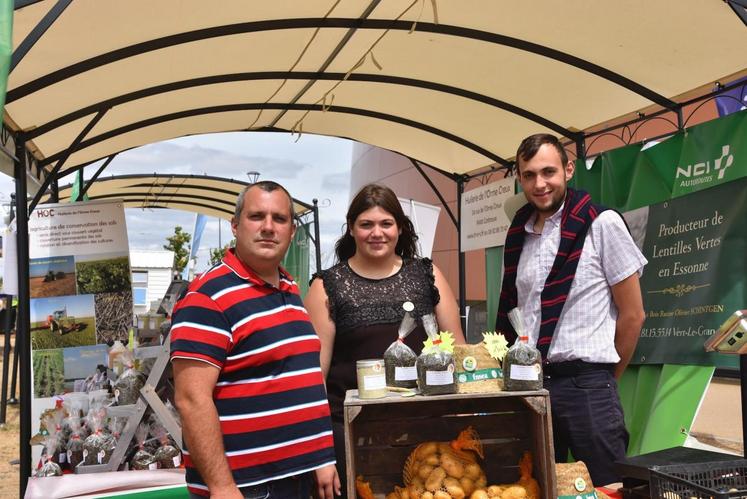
(134, 412)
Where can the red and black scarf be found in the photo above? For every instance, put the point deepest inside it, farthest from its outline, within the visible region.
(578, 214)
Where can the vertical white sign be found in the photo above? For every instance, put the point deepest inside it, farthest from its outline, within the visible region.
(484, 222)
(424, 218)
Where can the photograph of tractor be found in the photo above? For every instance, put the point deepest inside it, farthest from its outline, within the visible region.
(59, 322)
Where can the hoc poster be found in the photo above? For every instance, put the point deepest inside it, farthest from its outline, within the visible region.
(696, 275)
(81, 291)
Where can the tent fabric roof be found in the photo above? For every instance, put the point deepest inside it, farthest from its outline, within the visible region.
(212, 196)
(455, 85)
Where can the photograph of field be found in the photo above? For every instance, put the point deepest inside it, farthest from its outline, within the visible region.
(103, 273)
(49, 377)
(62, 321)
(52, 276)
(81, 362)
(113, 316)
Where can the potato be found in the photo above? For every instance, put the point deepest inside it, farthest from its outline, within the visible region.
(514, 492)
(452, 465)
(468, 485)
(432, 460)
(435, 479)
(393, 495)
(427, 495)
(454, 488)
(424, 471)
(479, 494)
(473, 471)
(440, 494)
(494, 491)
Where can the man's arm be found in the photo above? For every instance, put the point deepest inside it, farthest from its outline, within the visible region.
(194, 383)
(327, 482)
(630, 316)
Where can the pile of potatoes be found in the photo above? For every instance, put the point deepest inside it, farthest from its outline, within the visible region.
(435, 471)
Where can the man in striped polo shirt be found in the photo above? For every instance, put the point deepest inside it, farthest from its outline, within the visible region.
(572, 269)
(249, 388)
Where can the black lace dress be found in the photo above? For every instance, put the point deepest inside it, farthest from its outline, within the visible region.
(367, 313)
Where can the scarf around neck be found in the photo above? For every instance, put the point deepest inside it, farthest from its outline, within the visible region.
(578, 214)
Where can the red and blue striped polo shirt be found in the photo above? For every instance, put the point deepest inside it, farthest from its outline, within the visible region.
(270, 393)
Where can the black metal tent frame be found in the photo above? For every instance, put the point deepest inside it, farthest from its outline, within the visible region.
(49, 175)
(147, 199)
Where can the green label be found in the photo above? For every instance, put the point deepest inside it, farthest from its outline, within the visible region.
(479, 375)
(585, 495)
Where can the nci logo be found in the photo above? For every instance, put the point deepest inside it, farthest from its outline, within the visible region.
(701, 173)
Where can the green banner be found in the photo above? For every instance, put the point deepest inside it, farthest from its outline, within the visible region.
(296, 261)
(6, 46)
(695, 278)
(701, 157)
(682, 197)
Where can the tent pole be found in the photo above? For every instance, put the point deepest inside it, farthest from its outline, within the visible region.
(23, 343)
(317, 242)
(743, 391)
(460, 254)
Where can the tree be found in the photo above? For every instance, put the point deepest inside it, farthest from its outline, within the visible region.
(217, 254)
(179, 244)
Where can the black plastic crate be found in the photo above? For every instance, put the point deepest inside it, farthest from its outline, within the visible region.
(717, 480)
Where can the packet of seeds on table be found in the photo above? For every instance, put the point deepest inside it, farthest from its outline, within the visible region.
(49, 467)
(53, 422)
(522, 365)
(128, 385)
(399, 359)
(96, 448)
(435, 365)
(166, 455)
(74, 447)
(142, 460)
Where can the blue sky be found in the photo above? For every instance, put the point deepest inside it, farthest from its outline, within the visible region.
(77, 306)
(81, 362)
(313, 167)
(40, 266)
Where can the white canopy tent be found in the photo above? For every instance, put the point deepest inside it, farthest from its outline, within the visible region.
(451, 84)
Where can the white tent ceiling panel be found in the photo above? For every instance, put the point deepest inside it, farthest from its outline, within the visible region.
(470, 120)
(393, 136)
(208, 123)
(162, 105)
(481, 73)
(218, 56)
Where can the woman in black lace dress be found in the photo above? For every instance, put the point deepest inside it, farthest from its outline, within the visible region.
(356, 306)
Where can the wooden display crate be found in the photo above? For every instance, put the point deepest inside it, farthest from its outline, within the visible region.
(381, 433)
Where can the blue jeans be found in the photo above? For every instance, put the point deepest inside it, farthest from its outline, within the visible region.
(294, 487)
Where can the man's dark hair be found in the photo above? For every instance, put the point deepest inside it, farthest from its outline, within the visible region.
(370, 196)
(531, 145)
(267, 186)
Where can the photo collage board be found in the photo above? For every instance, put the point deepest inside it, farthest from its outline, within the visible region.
(81, 293)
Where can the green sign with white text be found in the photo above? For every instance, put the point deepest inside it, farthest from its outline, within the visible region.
(696, 247)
